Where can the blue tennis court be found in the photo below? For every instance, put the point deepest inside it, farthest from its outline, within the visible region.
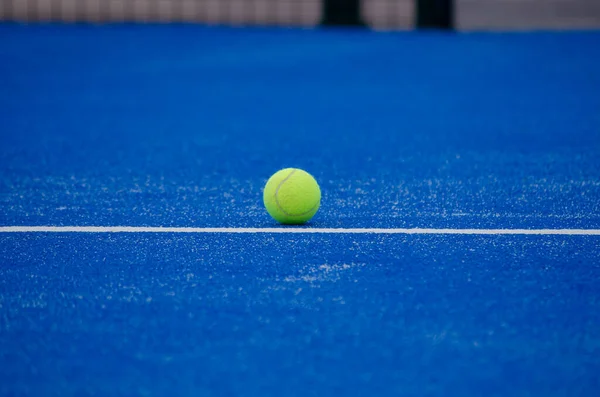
(472, 140)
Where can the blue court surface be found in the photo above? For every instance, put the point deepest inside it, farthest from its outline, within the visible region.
(181, 126)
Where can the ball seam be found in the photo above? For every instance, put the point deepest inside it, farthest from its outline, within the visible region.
(277, 199)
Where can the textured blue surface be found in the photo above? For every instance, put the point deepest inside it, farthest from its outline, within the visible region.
(182, 125)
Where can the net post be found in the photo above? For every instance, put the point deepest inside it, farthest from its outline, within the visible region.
(342, 13)
(435, 14)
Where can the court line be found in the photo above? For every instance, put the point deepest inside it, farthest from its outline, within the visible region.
(291, 230)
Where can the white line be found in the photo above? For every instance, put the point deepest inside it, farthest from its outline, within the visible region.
(307, 230)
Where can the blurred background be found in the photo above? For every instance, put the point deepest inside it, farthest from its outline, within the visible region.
(376, 14)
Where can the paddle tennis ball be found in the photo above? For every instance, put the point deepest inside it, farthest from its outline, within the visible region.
(292, 196)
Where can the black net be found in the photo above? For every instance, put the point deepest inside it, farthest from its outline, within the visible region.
(374, 13)
(377, 14)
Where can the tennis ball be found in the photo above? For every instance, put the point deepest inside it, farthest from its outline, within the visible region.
(292, 196)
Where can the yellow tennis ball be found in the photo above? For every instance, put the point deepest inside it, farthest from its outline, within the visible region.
(292, 196)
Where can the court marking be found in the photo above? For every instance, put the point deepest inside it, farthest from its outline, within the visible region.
(291, 230)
